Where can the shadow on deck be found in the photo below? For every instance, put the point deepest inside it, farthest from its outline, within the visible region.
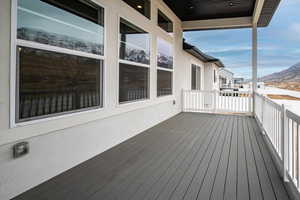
(190, 156)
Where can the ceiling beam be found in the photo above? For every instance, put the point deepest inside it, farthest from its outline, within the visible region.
(236, 22)
(257, 11)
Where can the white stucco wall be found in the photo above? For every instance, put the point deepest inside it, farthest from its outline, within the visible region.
(228, 75)
(209, 83)
(61, 143)
(189, 60)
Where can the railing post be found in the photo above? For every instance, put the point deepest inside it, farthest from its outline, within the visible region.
(284, 146)
(183, 101)
(262, 110)
(250, 103)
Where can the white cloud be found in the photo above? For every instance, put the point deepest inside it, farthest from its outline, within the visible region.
(239, 48)
(293, 32)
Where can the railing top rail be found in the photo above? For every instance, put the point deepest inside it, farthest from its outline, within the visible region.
(204, 91)
(293, 116)
(268, 100)
(213, 91)
(237, 92)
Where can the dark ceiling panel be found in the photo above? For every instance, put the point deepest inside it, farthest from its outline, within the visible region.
(188, 10)
(267, 12)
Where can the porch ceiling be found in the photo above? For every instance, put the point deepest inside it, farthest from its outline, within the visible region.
(239, 12)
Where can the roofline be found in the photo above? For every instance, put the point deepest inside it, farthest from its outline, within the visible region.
(268, 10)
(262, 16)
(201, 56)
(224, 69)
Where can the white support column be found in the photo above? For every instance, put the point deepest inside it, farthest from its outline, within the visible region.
(254, 62)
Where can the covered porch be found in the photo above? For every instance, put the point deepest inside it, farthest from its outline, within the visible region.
(190, 156)
(102, 148)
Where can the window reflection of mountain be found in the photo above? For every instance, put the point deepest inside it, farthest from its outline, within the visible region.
(164, 61)
(59, 40)
(134, 53)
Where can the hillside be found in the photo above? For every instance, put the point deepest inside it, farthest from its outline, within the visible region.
(287, 79)
(291, 74)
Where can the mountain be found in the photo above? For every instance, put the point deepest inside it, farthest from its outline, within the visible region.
(291, 74)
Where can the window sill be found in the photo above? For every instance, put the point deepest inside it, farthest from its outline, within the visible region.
(37, 128)
(129, 103)
(165, 96)
(52, 118)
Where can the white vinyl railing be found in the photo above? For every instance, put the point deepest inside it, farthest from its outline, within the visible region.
(216, 101)
(270, 117)
(282, 127)
(293, 146)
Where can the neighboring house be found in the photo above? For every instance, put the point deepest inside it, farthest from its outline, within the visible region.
(210, 67)
(226, 78)
(238, 82)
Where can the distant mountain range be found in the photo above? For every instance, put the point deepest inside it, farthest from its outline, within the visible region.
(291, 74)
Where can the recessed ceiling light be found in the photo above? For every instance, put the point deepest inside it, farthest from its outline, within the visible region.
(139, 6)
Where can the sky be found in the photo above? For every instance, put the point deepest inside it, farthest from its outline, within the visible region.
(278, 44)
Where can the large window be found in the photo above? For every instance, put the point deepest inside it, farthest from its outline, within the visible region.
(133, 82)
(165, 68)
(134, 63)
(196, 77)
(142, 6)
(164, 22)
(59, 57)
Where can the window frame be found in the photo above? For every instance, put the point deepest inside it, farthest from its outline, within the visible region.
(163, 68)
(14, 72)
(136, 64)
(165, 16)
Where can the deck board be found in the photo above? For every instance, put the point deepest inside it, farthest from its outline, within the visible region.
(230, 192)
(190, 156)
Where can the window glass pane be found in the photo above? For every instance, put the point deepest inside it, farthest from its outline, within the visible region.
(133, 83)
(74, 25)
(194, 78)
(51, 83)
(198, 78)
(164, 83)
(142, 6)
(215, 78)
(165, 54)
(135, 43)
(164, 22)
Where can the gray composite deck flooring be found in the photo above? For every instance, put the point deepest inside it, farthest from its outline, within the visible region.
(190, 156)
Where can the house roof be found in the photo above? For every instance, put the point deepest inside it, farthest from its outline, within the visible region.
(200, 55)
(195, 10)
(226, 70)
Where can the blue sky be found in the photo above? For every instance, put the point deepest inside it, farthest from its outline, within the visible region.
(278, 44)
